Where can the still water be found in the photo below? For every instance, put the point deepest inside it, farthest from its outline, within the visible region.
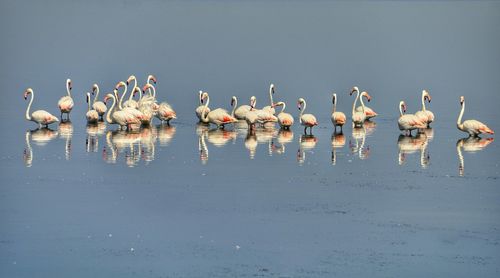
(188, 200)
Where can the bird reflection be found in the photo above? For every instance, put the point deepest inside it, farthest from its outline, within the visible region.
(202, 148)
(40, 137)
(412, 144)
(66, 132)
(265, 136)
(220, 137)
(307, 142)
(94, 131)
(165, 134)
(148, 136)
(370, 127)
(358, 146)
(251, 142)
(470, 144)
(338, 141)
(284, 137)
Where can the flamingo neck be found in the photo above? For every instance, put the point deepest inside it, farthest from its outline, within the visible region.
(204, 116)
(271, 95)
(302, 110)
(122, 97)
(355, 102)
(423, 101)
(147, 82)
(68, 90)
(28, 117)
(334, 105)
(362, 104)
(234, 106)
(459, 120)
(401, 109)
(152, 91)
(111, 111)
(283, 107)
(88, 102)
(96, 97)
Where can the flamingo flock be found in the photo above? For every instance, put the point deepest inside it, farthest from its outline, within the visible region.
(132, 107)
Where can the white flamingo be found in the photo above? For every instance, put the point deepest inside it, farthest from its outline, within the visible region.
(307, 120)
(66, 103)
(338, 118)
(41, 117)
(92, 115)
(218, 117)
(199, 109)
(285, 120)
(98, 105)
(270, 108)
(164, 112)
(122, 118)
(358, 117)
(473, 127)
(241, 112)
(367, 110)
(136, 113)
(424, 114)
(408, 122)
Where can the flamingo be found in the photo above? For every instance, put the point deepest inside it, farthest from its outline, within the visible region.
(41, 117)
(257, 115)
(98, 105)
(219, 116)
(241, 112)
(307, 120)
(368, 111)
(136, 113)
(66, 103)
(409, 122)
(338, 118)
(164, 112)
(92, 115)
(122, 117)
(473, 127)
(424, 114)
(358, 117)
(285, 120)
(199, 109)
(270, 108)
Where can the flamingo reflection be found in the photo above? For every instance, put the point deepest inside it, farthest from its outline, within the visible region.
(307, 142)
(338, 141)
(412, 144)
(66, 132)
(358, 146)
(41, 137)
(165, 134)
(471, 145)
(285, 136)
(94, 131)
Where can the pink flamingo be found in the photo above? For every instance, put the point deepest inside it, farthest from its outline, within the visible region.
(92, 115)
(424, 114)
(409, 122)
(367, 110)
(219, 116)
(270, 108)
(98, 105)
(41, 117)
(66, 103)
(307, 120)
(338, 118)
(199, 109)
(122, 118)
(473, 127)
(285, 120)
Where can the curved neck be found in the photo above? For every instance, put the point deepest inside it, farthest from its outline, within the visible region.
(234, 106)
(152, 91)
(271, 95)
(123, 95)
(362, 104)
(302, 110)
(67, 89)
(204, 116)
(88, 102)
(423, 101)
(355, 102)
(459, 120)
(96, 97)
(334, 105)
(400, 109)
(283, 107)
(28, 117)
(111, 111)
(148, 82)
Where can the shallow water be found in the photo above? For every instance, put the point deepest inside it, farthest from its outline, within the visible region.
(188, 200)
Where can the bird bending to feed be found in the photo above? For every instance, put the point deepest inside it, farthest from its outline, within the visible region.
(367, 110)
(199, 109)
(473, 127)
(66, 103)
(122, 117)
(424, 114)
(285, 120)
(92, 115)
(218, 117)
(338, 118)
(98, 105)
(359, 117)
(241, 112)
(307, 120)
(41, 117)
(408, 122)
(270, 108)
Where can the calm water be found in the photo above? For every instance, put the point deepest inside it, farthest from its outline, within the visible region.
(190, 201)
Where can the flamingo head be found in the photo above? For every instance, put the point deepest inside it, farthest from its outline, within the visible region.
(299, 103)
(334, 98)
(68, 83)
(354, 90)
(120, 84)
(462, 100)
(130, 78)
(367, 96)
(27, 92)
(87, 97)
(427, 96)
(147, 86)
(403, 106)
(152, 78)
(233, 100)
(94, 88)
(253, 101)
(271, 88)
(136, 90)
